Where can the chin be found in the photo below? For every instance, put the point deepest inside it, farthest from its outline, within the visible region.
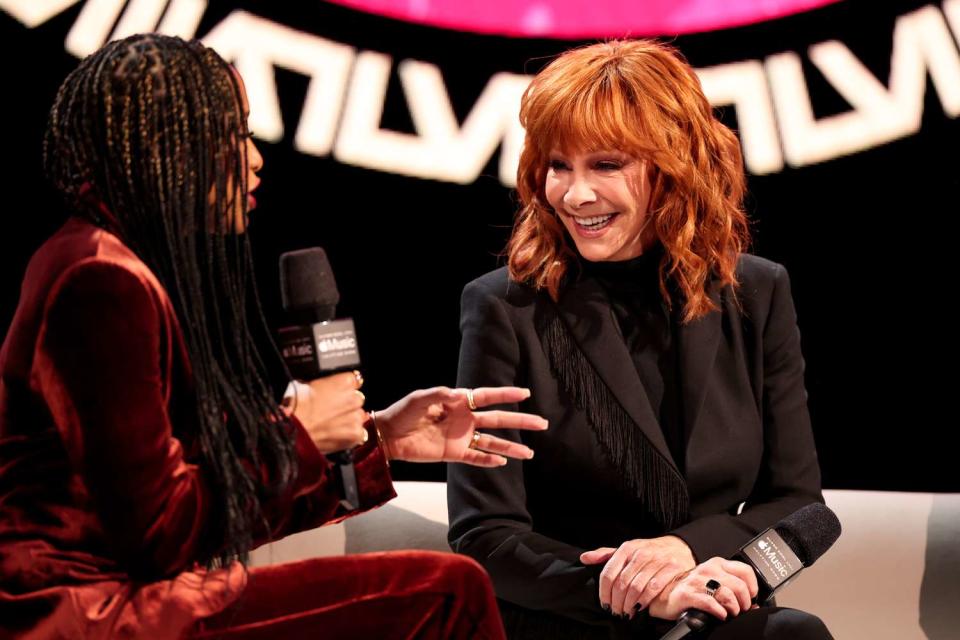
(595, 255)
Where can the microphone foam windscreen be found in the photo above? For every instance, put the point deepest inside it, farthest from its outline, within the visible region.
(810, 531)
(306, 280)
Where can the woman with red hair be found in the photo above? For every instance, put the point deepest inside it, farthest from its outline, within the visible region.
(666, 360)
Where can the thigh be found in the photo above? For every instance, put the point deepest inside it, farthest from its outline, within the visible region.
(393, 595)
(772, 623)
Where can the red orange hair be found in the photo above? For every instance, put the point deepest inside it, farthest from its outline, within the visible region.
(640, 97)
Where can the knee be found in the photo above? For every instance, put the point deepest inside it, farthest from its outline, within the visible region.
(797, 625)
(466, 573)
(451, 572)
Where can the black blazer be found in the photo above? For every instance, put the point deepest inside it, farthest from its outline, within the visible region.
(744, 407)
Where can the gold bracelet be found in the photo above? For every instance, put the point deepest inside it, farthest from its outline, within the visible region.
(380, 438)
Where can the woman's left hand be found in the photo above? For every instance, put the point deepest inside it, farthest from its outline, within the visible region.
(637, 571)
(437, 425)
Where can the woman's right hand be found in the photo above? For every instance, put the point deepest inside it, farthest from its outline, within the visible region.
(738, 585)
(330, 409)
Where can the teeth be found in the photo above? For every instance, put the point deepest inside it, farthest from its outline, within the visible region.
(594, 221)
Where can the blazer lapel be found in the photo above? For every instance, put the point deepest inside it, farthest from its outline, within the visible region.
(698, 342)
(585, 310)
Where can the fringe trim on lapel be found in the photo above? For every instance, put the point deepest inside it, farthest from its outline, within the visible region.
(645, 471)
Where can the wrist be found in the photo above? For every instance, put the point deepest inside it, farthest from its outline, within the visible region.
(377, 422)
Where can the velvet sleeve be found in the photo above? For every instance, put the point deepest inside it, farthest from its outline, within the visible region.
(99, 367)
(489, 520)
(314, 498)
(789, 476)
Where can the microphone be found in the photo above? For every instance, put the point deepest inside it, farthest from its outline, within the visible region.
(777, 555)
(317, 345)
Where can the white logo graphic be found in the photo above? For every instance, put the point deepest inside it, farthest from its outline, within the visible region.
(345, 98)
(336, 344)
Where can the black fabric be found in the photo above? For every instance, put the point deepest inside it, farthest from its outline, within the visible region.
(749, 439)
(770, 623)
(644, 471)
(765, 623)
(648, 326)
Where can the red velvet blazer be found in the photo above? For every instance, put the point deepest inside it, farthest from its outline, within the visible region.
(103, 507)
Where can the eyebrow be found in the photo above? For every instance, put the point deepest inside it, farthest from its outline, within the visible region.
(592, 155)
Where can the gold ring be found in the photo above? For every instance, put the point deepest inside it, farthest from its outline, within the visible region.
(470, 402)
(359, 378)
(474, 440)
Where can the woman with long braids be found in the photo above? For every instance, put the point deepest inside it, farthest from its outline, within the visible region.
(667, 361)
(141, 452)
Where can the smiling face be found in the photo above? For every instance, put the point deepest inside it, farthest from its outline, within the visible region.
(602, 198)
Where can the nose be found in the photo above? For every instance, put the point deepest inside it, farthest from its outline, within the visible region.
(579, 191)
(254, 159)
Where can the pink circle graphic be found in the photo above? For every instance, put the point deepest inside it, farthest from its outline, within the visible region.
(577, 19)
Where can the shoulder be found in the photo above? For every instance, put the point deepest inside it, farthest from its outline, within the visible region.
(498, 286)
(763, 283)
(764, 297)
(87, 265)
(758, 275)
(80, 247)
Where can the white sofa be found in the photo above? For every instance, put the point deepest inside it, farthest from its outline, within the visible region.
(894, 574)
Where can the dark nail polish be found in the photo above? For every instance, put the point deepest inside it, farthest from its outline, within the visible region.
(606, 608)
(638, 607)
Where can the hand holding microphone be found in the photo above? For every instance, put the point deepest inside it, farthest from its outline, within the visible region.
(718, 587)
(773, 559)
(427, 425)
(323, 351)
(331, 411)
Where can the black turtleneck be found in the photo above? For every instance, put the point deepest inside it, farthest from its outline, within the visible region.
(649, 331)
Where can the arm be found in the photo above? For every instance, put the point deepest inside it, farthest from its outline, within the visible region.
(98, 366)
(789, 476)
(327, 416)
(313, 499)
(489, 520)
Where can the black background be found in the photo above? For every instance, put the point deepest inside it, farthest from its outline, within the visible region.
(868, 239)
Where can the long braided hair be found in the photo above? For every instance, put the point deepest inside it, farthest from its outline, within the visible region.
(147, 139)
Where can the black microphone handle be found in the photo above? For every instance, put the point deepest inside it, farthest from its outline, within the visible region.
(690, 621)
(346, 475)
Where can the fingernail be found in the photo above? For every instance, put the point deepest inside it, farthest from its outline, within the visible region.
(638, 607)
(530, 454)
(606, 608)
(528, 393)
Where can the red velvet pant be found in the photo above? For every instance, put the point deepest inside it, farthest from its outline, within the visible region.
(396, 595)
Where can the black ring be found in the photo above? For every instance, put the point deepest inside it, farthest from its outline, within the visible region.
(712, 586)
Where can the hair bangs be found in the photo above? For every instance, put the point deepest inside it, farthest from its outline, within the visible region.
(593, 112)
